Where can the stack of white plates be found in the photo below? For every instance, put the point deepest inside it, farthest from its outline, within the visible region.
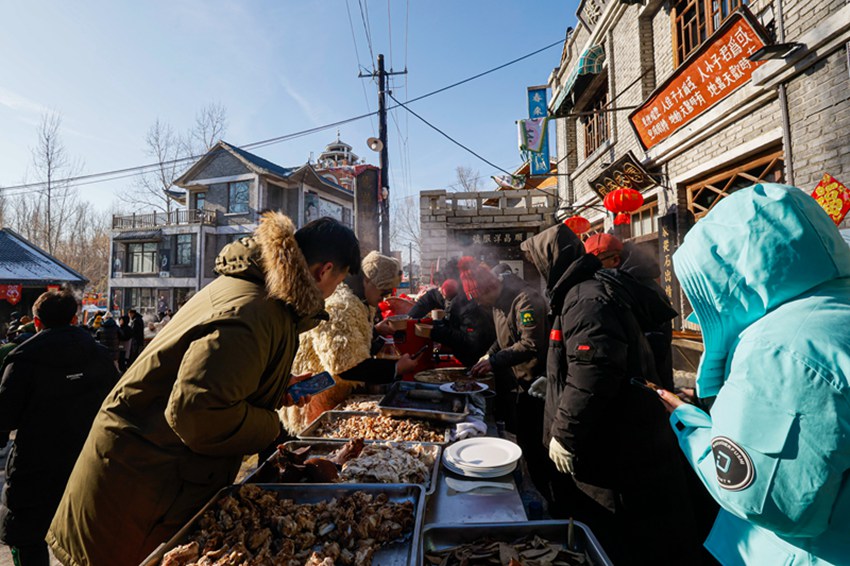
(482, 457)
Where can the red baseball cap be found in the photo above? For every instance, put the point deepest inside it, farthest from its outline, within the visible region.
(601, 243)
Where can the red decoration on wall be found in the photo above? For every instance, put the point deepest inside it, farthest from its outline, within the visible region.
(622, 202)
(578, 224)
(12, 293)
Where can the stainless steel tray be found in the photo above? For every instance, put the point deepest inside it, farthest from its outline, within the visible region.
(310, 433)
(401, 553)
(324, 447)
(446, 535)
(357, 397)
(448, 409)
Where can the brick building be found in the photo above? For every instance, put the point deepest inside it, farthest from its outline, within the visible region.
(668, 90)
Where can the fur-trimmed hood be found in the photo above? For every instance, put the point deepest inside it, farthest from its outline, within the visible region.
(272, 256)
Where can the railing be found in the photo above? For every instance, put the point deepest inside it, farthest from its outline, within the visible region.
(524, 201)
(154, 219)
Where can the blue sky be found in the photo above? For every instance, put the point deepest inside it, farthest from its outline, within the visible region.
(112, 68)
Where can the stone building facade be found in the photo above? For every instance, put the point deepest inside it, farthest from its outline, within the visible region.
(788, 121)
(487, 225)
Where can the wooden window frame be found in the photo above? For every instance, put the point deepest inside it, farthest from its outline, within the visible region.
(637, 217)
(230, 200)
(710, 15)
(594, 124)
(767, 167)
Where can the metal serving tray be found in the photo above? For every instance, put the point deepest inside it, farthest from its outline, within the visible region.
(446, 535)
(310, 433)
(357, 397)
(321, 448)
(400, 553)
(448, 409)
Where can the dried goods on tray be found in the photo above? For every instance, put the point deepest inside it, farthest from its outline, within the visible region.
(255, 526)
(367, 403)
(354, 462)
(378, 427)
(526, 551)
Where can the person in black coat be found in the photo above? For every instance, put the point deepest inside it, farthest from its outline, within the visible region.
(108, 336)
(604, 433)
(436, 298)
(52, 386)
(137, 335)
(468, 330)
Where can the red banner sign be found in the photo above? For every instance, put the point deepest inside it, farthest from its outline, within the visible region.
(713, 72)
(833, 197)
(54, 288)
(12, 293)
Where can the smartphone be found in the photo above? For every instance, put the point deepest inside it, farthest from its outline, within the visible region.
(643, 385)
(311, 386)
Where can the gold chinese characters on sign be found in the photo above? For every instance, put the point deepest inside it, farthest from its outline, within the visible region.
(833, 197)
(625, 172)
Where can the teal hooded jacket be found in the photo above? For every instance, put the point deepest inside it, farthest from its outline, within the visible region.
(768, 275)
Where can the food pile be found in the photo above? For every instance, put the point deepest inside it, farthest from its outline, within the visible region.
(442, 375)
(379, 427)
(254, 526)
(527, 551)
(365, 403)
(465, 386)
(355, 462)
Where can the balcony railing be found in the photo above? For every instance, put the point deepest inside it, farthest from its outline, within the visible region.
(155, 219)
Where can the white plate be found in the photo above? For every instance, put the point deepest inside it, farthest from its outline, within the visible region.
(483, 452)
(495, 469)
(447, 388)
(478, 474)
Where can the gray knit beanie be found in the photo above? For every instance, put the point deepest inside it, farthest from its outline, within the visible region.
(384, 272)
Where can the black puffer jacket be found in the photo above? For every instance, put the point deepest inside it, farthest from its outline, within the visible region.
(53, 385)
(617, 431)
(108, 335)
(468, 330)
(432, 299)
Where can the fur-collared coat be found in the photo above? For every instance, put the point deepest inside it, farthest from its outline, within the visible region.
(336, 345)
(204, 393)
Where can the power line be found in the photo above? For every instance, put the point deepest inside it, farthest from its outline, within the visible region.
(359, 64)
(448, 137)
(117, 174)
(364, 17)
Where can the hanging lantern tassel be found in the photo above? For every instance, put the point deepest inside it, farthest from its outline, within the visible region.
(622, 218)
(578, 224)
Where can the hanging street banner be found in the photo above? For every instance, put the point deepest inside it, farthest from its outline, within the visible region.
(710, 74)
(833, 197)
(537, 109)
(532, 134)
(625, 172)
(11, 293)
(667, 244)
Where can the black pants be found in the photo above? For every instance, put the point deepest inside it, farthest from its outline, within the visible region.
(529, 436)
(35, 555)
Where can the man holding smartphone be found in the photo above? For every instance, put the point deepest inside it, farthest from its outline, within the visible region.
(202, 395)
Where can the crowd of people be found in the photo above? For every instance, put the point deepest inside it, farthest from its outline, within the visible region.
(753, 467)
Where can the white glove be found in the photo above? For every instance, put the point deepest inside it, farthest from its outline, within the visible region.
(562, 458)
(471, 427)
(538, 388)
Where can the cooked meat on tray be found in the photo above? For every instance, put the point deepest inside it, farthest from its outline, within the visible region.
(380, 427)
(254, 526)
(527, 551)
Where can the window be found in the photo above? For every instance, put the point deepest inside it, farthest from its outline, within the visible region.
(184, 249)
(142, 299)
(200, 200)
(645, 220)
(141, 258)
(596, 128)
(695, 20)
(703, 195)
(237, 197)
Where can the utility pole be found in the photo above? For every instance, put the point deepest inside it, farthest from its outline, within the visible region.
(384, 189)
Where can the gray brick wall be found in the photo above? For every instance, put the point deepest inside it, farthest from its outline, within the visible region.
(819, 111)
(223, 165)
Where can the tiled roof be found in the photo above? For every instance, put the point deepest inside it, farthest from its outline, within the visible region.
(22, 262)
(260, 163)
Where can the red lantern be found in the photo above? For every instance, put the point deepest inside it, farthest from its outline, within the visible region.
(578, 224)
(622, 202)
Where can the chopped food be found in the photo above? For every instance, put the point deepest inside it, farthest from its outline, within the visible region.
(527, 551)
(379, 427)
(365, 403)
(352, 463)
(254, 526)
(466, 386)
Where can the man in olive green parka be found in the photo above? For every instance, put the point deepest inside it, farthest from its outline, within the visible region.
(203, 394)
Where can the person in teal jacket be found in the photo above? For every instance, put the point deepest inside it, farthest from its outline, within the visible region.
(768, 275)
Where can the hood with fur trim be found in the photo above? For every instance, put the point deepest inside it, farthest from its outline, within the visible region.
(272, 256)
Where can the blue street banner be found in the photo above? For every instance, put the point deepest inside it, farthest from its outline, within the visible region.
(537, 108)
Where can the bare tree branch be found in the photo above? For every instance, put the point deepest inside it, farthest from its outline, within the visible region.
(467, 179)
